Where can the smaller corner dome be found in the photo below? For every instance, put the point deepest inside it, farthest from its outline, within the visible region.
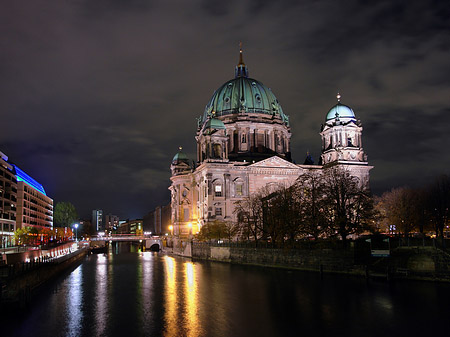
(214, 123)
(341, 111)
(180, 157)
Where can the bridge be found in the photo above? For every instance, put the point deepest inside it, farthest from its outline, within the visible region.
(151, 242)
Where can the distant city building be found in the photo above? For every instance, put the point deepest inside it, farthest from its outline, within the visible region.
(111, 222)
(243, 144)
(134, 227)
(8, 202)
(86, 227)
(158, 221)
(97, 220)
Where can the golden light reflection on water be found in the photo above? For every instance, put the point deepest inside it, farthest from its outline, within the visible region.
(191, 298)
(170, 297)
(181, 299)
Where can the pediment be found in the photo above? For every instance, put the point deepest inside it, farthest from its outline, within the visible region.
(274, 162)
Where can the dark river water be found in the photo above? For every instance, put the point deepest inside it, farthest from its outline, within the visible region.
(130, 293)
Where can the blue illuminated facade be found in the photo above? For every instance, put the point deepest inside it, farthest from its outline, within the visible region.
(22, 176)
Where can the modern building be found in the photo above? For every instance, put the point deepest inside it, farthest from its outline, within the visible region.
(8, 202)
(97, 220)
(134, 227)
(23, 202)
(158, 221)
(111, 222)
(243, 144)
(34, 207)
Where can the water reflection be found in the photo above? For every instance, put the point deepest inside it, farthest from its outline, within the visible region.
(170, 297)
(191, 310)
(74, 303)
(101, 295)
(145, 275)
(148, 294)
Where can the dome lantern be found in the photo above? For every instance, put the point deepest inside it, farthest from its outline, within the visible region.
(241, 69)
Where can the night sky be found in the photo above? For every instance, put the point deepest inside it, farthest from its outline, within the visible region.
(96, 96)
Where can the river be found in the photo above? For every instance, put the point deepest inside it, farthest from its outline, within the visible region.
(132, 293)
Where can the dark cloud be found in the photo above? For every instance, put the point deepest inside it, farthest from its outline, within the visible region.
(96, 96)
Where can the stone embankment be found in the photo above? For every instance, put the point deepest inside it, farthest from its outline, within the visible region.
(18, 280)
(321, 260)
(418, 263)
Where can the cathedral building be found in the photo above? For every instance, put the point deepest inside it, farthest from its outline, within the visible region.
(243, 144)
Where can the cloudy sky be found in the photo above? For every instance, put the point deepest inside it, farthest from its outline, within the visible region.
(96, 96)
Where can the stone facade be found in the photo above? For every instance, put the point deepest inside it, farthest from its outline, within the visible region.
(243, 145)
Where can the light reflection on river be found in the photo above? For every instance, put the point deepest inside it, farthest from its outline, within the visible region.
(128, 293)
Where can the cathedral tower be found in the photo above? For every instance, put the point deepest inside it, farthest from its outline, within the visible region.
(341, 136)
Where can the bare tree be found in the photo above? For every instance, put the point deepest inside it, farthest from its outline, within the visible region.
(310, 194)
(249, 213)
(398, 207)
(347, 203)
(282, 215)
(439, 204)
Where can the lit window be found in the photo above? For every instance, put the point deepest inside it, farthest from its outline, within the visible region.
(239, 189)
(218, 190)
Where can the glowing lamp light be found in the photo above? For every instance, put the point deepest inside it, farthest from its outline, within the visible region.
(76, 231)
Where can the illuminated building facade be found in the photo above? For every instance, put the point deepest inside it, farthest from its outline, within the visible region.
(243, 145)
(134, 227)
(8, 202)
(97, 220)
(24, 202)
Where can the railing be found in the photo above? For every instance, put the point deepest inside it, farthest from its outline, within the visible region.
(301, 244)
(123, 237)
(48, 257)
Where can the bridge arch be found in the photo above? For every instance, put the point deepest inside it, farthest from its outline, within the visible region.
(155, 247)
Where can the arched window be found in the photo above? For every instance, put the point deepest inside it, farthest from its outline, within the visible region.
(217, 151)
(238, 187)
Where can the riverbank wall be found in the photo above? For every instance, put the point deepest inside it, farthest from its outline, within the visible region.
(319, 260)
(407, 263)
(19, 280)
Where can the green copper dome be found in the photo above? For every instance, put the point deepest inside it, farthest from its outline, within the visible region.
(213, 124)
(242, 95)
(341, 111)
(180, 157)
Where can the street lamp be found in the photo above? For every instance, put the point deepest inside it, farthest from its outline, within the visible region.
(76, 232)
(190, 228)
(171, 229)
